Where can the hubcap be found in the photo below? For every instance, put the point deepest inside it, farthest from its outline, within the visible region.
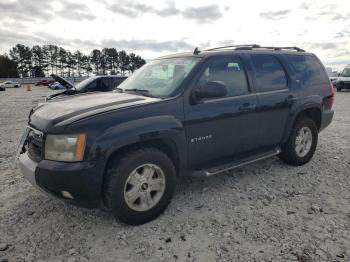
(303, 141)
(144, 187)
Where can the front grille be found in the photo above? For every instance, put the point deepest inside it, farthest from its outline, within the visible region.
(35, 145)
(344, 84)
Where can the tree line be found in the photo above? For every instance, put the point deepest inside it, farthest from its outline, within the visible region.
(40, 61)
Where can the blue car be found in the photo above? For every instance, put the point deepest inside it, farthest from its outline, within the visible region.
(56, 86)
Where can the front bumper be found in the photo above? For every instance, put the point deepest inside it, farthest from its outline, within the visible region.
(83, 180)
(343, 85)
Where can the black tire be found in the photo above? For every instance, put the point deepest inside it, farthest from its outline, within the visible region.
(289, 154)
(338, 89)
(118, 172)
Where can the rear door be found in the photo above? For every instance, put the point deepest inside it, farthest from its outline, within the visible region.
(274, 95)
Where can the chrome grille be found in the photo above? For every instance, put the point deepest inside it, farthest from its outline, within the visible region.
(35, 145)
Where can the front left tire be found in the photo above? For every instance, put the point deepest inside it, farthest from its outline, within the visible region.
(139, 185)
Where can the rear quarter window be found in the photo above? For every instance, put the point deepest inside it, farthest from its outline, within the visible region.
(307, 69)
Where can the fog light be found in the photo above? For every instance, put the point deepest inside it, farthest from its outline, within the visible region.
(66, 194)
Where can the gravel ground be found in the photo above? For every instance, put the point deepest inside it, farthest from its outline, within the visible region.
(267, 211)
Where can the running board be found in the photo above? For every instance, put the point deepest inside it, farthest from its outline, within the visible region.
(234, 164)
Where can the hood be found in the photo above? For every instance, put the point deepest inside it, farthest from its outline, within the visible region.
(61, 112)
(62, 81)
(61, 94)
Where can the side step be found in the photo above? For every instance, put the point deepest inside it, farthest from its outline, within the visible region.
(234, 164)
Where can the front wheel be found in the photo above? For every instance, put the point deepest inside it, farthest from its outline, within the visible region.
(301, 144)
(139, 185)
(338, 89)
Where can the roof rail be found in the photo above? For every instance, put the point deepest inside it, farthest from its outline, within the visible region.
(229, 46)
(279, 48)
(254, 46)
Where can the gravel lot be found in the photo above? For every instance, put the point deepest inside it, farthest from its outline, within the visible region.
(267, 211)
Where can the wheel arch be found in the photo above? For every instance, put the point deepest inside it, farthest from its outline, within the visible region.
(165, 145)
(312, 111)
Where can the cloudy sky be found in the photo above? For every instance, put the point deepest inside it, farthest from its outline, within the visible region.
(153, 28)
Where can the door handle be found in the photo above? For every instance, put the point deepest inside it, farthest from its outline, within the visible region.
(246, 107)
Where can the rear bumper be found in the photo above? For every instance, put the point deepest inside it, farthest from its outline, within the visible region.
(327, 118)
(82, 180)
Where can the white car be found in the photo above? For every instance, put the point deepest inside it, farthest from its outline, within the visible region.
(343, 80)
(10, 84)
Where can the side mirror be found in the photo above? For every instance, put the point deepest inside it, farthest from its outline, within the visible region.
(212, 89)
(338, 74)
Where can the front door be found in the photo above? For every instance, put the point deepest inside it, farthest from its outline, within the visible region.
(221, 127)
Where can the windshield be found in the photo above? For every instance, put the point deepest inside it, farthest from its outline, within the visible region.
(159, 78)
(346, 72)
(84, 83)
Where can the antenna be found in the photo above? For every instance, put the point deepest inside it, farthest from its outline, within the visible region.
(196, 51)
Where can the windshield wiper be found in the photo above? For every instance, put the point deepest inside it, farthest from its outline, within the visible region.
(137, 90)
(120, 90)
(144, 92)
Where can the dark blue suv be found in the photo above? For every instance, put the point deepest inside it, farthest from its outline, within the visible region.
(189, 114)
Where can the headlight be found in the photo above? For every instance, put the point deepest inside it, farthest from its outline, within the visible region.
(65, 147)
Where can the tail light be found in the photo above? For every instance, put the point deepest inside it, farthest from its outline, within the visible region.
(331, 98)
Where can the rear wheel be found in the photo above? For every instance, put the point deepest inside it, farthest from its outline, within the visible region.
(139, 185)
(338, 89)
(301, 144)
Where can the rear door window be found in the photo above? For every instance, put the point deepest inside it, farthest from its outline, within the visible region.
(307, 69)
(269, 73)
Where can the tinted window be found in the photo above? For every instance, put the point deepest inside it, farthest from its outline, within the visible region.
(307, 69)
(104, 85)
(345, 72)
(269, 73)
(229, 71)
(92, 86)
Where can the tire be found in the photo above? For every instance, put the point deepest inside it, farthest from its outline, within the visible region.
(338, 89)
(119, 182)
(290, 153)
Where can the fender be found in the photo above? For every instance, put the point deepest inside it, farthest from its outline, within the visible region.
(164, 127)
(304, 103)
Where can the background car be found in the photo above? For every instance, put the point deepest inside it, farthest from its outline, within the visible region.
(333, 77)
(343, 80)
(91, 84)
(45, 83)
(10, 84)
(56, 86)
